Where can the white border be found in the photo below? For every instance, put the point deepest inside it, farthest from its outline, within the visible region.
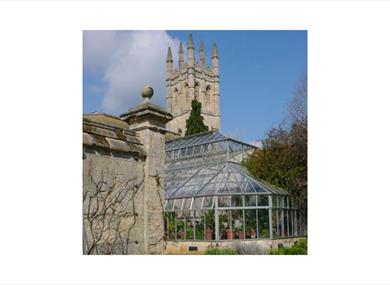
(41, 91)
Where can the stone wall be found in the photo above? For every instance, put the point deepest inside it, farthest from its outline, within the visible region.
(263, 246)
(123, 181)
(113, 194)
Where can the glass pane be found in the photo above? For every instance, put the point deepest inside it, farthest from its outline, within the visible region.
(237, 223)
(187, 204)
(224, 225)
(171, 225)
(169, 205)
(197, 149)
(262, 200)
(189, 151)
(236, 201)
(180, 229)
(223, 201)
(263, 218)
(200, 226)
(197, 203)
(208, 202)
(285, 222)
(189, 228)
(274, 201)
(178, 203)
(210, 225)
(250, 224)
(250, 200)
(275, 223)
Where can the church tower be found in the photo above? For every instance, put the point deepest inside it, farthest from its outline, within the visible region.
(193, 80)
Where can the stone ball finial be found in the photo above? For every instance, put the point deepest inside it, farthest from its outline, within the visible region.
(147, 93)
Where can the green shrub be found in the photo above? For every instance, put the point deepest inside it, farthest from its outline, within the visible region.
(299, 248)
(220, 251)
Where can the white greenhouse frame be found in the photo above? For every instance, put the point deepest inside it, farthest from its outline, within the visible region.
(210, 196)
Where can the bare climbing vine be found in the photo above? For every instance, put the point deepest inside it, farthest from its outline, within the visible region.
(109, 217)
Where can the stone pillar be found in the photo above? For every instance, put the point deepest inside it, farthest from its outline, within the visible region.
(148, 121)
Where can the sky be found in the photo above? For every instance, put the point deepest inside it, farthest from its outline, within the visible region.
(259, 71)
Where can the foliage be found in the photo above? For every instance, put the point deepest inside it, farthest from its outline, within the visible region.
(194, 123)
(200, 232)
(282, 160)
(209, 218)
(220, 251)
(299, 248)
(172, 221)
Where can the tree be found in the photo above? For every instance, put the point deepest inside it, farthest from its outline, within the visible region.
(282, 160)
(194, 124)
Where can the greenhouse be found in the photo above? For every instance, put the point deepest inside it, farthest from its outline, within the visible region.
(210, 196)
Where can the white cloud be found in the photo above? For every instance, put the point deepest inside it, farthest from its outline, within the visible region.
(128, 60)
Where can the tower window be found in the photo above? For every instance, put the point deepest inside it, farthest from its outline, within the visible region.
(208, 98)
(197, 91)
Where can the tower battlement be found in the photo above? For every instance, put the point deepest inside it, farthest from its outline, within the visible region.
(193, 80)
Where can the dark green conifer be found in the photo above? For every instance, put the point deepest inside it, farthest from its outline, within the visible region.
(195, 124)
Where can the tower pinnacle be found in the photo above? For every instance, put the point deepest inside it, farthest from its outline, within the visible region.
(169, 62)
(215, 50)
(190, 41)
(202, 59)
(191, 58)
(181, 55)
(169, 55)
(214, 60)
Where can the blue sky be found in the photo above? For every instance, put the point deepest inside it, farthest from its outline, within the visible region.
(259, 71)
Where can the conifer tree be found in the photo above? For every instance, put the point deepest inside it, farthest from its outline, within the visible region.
(195, 124)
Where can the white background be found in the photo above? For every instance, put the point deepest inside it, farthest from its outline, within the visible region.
(40, 115)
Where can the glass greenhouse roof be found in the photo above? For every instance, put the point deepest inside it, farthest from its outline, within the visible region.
(208, 164)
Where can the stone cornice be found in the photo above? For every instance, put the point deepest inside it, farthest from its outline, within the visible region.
(147, 109)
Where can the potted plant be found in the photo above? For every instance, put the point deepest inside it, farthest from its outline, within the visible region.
(209, 218)
(226, 230)
(238, 228)
(229, 234)
(251, 228)
(252, 233)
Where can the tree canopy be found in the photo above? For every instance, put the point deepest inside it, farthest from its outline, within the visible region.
(282, 160)
(194, 123)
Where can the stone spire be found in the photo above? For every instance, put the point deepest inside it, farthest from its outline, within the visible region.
(214, 60)
(215, 50)
(169, 62)
(191, 58)
(181, 55)
(202, 59)
(190, 41)
(169, 55)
